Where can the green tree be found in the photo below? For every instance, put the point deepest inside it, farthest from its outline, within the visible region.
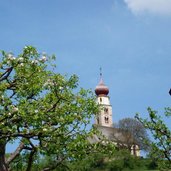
(117, 161)
(44, 111)
(161, 146)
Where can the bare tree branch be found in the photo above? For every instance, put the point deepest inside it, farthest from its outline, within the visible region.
(6, 74)
(16, 153)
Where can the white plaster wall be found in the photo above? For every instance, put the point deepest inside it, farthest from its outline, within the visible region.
(103, 100)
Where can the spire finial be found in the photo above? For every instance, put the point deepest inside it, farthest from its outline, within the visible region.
(100, 71)
(101, 89)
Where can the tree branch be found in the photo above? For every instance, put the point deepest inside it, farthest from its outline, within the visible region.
(16, 153)
(6, 74)
(30, 159)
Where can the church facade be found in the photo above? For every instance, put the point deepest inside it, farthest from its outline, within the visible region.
(104, 120)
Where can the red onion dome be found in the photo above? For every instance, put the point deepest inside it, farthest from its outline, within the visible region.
(101, 88)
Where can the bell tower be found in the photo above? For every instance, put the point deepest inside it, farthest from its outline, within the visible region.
(104, 118)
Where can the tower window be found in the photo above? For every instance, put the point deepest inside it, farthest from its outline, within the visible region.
(100, 99)
(106, 110)
(106, 119)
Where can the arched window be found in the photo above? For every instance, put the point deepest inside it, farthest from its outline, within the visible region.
(106, 119)
(106, 110)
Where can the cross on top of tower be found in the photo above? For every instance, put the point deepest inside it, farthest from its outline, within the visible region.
(100, 71)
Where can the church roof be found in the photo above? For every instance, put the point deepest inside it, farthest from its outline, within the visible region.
(113, 134)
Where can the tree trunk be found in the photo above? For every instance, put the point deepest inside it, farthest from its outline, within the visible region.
(30, 160)
(3, 165)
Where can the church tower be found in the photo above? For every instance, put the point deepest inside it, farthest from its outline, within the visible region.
(104, 118)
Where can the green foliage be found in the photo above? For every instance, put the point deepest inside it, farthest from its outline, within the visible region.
(151, 164)
(161, 146)
(46, 111)
(117, 161)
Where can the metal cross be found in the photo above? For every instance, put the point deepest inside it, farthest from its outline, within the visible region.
(100, 71)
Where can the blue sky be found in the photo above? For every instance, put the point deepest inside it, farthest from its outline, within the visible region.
(129, 39)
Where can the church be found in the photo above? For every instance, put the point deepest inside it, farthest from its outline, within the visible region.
(104, 123)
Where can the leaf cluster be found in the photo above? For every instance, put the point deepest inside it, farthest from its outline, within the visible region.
(161, 146)
(45, 111)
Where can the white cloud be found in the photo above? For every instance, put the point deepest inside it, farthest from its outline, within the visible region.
(162, 7)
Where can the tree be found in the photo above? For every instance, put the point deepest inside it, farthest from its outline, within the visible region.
(134, 133)
(43, 110)
(161, 146)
